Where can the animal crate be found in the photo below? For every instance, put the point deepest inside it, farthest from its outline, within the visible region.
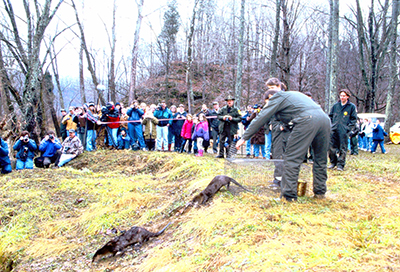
(258, 174)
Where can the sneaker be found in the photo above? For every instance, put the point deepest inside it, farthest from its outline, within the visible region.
(331, 166)
(220, 156)
(274, 186)
(339, 168)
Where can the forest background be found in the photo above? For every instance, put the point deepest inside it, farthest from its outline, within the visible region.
(54, 54)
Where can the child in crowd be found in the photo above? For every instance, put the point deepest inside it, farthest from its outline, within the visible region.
(124, 141)
(378, 137)
(186, 133)
(201, 133)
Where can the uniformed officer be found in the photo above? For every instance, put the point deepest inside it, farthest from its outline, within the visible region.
(311, 126)
(343, 117)
(229, 117)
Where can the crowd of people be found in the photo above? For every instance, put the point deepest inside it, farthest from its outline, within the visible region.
(290, 128)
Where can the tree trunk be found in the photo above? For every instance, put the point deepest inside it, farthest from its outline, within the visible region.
(274, 54)
(135, 53)
(189, 82)
(333, 70)
(57, 78)
(393, 68)
(111, 78)
(370, 105)
(285, 45)
(239, 71)
(88, 59)
(81, 76)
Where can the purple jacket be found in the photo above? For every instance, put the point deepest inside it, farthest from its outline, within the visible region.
(201, 130)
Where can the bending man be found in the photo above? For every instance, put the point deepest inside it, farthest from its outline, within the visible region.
(311, 126)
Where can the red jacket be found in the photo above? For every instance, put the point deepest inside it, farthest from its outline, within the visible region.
(186, 131)
(113, 119)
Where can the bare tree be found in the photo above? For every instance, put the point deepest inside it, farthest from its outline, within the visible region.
(332, 56)
(239, 70)
(135, 51)
(189, 80)
(28, 56)
(393, 67)
(88, 57)
(372, 46)
(274, 53)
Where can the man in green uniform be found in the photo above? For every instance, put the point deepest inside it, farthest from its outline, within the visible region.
(229, 118)
(311, 126)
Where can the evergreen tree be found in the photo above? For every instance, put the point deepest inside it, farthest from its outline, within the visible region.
(167, 39)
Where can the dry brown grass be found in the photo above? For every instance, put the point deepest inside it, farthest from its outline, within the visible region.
(54, 220)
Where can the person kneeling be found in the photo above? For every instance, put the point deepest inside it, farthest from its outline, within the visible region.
(25, 148)
(124, 141)
(5, 163)
(71, 148)
(49, 148)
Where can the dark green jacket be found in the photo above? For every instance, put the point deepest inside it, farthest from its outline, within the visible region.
(343, 117)
(236, 118)
(288, 107)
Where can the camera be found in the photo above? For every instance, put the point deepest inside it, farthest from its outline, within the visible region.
(51, 137)
(26, 138)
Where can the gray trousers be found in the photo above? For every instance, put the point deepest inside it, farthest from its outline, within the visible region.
(279, 140)
(312, 130)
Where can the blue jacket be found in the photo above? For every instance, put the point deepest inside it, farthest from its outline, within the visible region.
(4, 159)
(134, 115)
(246, 122)
(378, 134)
(124, 143)
(25, 149)
(163, 114)
(48, 148)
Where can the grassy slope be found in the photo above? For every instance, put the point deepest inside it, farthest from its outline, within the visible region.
(54, 220)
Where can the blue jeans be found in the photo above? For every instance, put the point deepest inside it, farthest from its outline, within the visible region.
(171, 136)
(91, 140)
(136, 134)
(268, 145)
(162, 138)
(114, 135)
(368, 143)
(6, 168)
(375, 145)
(257, 148)
(28, 164)
(248, 147)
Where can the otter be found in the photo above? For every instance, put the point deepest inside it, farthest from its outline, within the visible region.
(215, 185)
(135, 236)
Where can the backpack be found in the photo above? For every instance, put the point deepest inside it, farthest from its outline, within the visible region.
(38, 161)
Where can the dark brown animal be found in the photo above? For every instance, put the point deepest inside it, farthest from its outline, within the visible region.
(215, 185)
(136, 236)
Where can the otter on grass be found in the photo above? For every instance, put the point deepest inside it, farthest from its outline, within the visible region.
(215, 185)
(135, 236)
